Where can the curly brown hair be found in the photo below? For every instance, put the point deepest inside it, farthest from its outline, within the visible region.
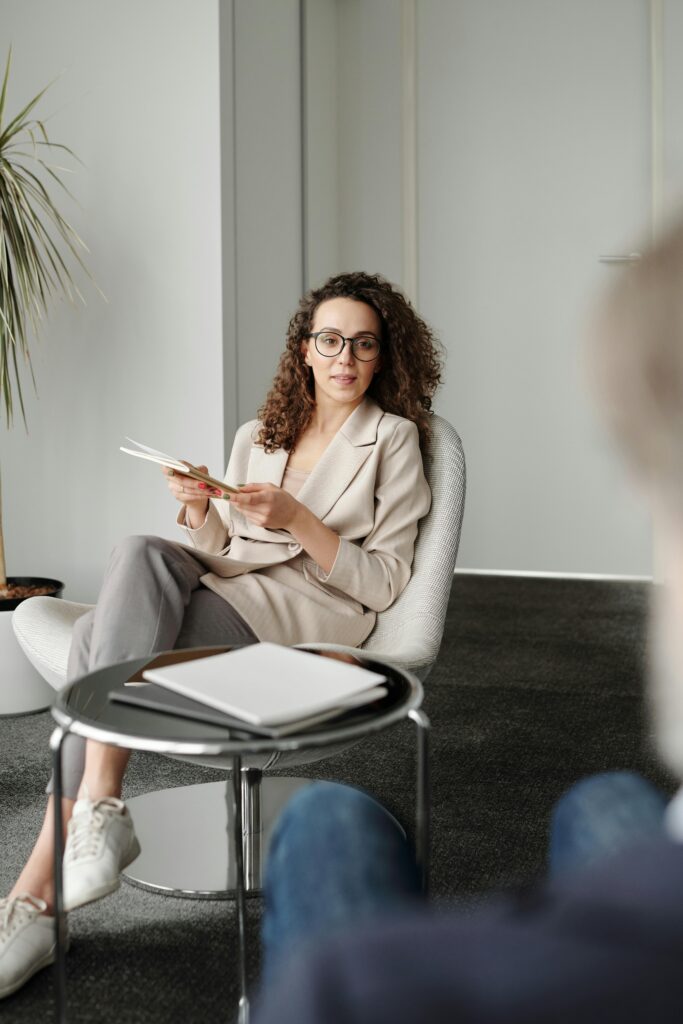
(410, 370)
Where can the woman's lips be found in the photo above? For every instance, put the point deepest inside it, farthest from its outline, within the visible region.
(343, 379)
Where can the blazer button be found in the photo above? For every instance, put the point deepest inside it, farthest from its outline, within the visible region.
(294, 547)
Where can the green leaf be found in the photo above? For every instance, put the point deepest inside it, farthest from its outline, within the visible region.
(39, 248)
(18, 124)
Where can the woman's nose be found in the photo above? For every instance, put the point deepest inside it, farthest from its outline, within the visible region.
(346, 355)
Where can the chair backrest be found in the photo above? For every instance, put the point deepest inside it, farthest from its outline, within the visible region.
(409, 632)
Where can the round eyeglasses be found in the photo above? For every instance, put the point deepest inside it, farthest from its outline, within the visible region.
(330, 343)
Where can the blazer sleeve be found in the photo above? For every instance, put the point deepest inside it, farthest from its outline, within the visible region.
(213, 536)
(375, 571)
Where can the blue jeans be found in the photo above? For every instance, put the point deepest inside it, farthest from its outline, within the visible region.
(601, 816)
(339, 859)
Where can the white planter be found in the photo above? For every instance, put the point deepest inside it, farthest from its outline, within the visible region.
(22, 689)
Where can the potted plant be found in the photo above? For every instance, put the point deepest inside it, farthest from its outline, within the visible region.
(35, 243)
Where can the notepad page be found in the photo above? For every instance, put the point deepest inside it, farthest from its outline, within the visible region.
(267, 684)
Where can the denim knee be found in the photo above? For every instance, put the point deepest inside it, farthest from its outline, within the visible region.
(602, 816)
(605, 793)
(327, 807)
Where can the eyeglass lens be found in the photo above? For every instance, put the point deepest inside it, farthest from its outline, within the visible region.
(329, 343)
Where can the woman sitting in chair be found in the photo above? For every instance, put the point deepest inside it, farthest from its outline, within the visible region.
(318, 539)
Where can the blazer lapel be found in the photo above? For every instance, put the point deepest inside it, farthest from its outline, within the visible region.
(263, 468)
(341, 460)
(334, 471)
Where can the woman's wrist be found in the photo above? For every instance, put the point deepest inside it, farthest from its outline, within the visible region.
(195, 513)
(300, 520)
(321, 543)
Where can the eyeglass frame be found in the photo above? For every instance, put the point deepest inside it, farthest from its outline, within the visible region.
(344, 340)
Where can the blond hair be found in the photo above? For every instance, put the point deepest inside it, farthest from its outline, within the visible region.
(637, 356)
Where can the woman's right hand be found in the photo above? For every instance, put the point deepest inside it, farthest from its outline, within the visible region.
(193, 494)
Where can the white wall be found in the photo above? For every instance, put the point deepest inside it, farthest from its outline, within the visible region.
(369, 142)
(533, 158)
(267, 177)
(188, 119)
(139, 103)
(672, 80)
(353, 138)
(322, 61)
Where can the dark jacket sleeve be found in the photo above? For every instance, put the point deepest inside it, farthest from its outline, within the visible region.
(603, 949)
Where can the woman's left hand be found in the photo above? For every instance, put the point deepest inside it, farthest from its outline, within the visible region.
(267, 505)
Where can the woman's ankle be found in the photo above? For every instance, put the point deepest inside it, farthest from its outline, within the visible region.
(39, 890)
(99, 789)
(104, 770)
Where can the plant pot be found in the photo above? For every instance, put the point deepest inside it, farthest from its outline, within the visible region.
(56, 589)
(23, 690)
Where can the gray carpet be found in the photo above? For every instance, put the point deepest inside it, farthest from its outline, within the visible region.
(538, 683)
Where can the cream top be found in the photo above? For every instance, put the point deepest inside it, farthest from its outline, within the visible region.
(293, 480)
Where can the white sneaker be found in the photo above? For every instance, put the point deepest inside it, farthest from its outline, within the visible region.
(27, 940)
(100, 843)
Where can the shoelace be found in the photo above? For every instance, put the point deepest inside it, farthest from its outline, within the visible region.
(14, 911)
(85, 831)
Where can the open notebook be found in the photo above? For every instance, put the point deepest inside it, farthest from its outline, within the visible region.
(143, 451)
(265, 689)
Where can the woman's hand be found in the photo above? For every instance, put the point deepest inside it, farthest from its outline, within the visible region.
(267, 505)
(270, 506)
(192, 493)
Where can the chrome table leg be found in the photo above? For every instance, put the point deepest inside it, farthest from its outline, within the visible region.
(238, 839)
(422, 801)
(252, 827)
(56, 742)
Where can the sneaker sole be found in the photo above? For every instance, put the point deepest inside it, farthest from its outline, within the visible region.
(45, 961)
(109, 887)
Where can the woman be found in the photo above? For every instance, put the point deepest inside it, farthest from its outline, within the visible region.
(318, 539)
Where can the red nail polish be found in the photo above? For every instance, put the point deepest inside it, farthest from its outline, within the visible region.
(203, 487)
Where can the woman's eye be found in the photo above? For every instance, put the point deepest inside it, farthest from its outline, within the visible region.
(365, 345)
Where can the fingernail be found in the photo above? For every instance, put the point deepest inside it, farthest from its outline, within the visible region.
(170, 472)
(226, 497)
(202, 487)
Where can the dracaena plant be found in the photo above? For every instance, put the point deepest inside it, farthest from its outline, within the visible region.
(37, 248)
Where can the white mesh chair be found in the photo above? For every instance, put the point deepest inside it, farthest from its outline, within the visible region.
(408, 634)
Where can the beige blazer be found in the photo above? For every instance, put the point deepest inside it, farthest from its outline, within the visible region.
(368, 486)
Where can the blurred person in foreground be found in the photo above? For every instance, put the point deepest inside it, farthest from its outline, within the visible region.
(346, 939)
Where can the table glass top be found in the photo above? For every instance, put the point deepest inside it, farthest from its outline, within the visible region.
(86, 707)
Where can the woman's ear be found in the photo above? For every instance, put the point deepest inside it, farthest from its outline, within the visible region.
(304, 353)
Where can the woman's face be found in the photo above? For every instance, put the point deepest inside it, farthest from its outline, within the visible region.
(342, 379)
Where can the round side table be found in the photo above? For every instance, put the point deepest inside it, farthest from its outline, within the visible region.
(85, 709)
